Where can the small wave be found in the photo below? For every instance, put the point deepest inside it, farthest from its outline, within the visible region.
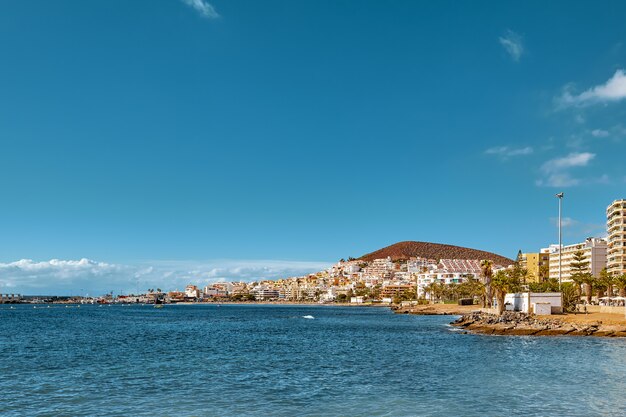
(455, 329)
(308, 317)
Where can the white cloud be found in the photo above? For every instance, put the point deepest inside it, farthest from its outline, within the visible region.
(558, 180)
(557, 173)
(203, 7)
(38, 277)
(512, 43)
(575, 159)
(599, 133)
(66, 277)
(568, 222)
(612, 91)
(505, 151)
(578, 229)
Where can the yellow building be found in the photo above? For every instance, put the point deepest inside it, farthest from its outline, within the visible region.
(616, 228)
(533, 262)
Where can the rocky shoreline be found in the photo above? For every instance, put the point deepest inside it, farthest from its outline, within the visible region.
(433, 309)
(521, 324)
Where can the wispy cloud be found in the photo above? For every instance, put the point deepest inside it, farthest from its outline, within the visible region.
(203, 7)
(616, 133)
(612, 91)
(557, 170)
(578, 229)
(572, 160)
(558, 180)
(87, 276)
(599, 133)
(512, 44)
(506, 151)
(565, 222)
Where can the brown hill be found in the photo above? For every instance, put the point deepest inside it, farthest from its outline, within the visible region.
(408, 249)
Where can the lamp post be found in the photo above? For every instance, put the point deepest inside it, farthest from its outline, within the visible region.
(560, 197)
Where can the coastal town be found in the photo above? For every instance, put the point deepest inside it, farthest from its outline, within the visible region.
(313, 208)
(596, 267)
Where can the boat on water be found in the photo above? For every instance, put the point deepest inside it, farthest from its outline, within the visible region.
(158, 306)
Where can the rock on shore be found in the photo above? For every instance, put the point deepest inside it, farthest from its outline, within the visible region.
(521, 324)
(433, 309)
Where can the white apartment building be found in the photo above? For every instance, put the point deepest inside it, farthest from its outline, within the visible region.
(345, 268)
(449, 271)
(214, 291)
(594, 249)
(616, 229)
(191, 291)
(379, 268)
(440, 276)
(264, 293)
(404, 276)
(418, 265)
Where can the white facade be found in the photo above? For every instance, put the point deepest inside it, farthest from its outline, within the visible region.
(379, 268)
(616, 229)
(191, 291)
(418, 265)
(444, 277)
(449, 271)
(523, 301)
(264, 293)
(594, 249)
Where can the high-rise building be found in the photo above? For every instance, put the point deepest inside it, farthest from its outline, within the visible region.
(616, 229)
(594, 250)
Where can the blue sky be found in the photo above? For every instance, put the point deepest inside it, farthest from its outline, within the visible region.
(202, 139)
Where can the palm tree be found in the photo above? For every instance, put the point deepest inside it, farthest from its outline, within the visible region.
(435, 290)
(430, 290)
(452, 291)
(589, 281)
(620, 283)
(604, 283)
(486, 266)
(579, 280)
(500, 284)
(504, 282)
(544, 272)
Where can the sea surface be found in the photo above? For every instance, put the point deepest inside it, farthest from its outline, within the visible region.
(240, 360)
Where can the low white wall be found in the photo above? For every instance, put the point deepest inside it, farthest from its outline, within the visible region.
(522, 302)
(542, 308)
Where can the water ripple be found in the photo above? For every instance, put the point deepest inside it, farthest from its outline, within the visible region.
(267, 360)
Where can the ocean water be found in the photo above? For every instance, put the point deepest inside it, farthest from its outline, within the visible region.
(255, 360)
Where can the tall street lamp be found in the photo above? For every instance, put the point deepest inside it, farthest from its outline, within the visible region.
(560, 197)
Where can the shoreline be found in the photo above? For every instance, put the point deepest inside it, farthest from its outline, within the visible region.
(521, 324)
(291, 303)
(476, 321)
(435, 309)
